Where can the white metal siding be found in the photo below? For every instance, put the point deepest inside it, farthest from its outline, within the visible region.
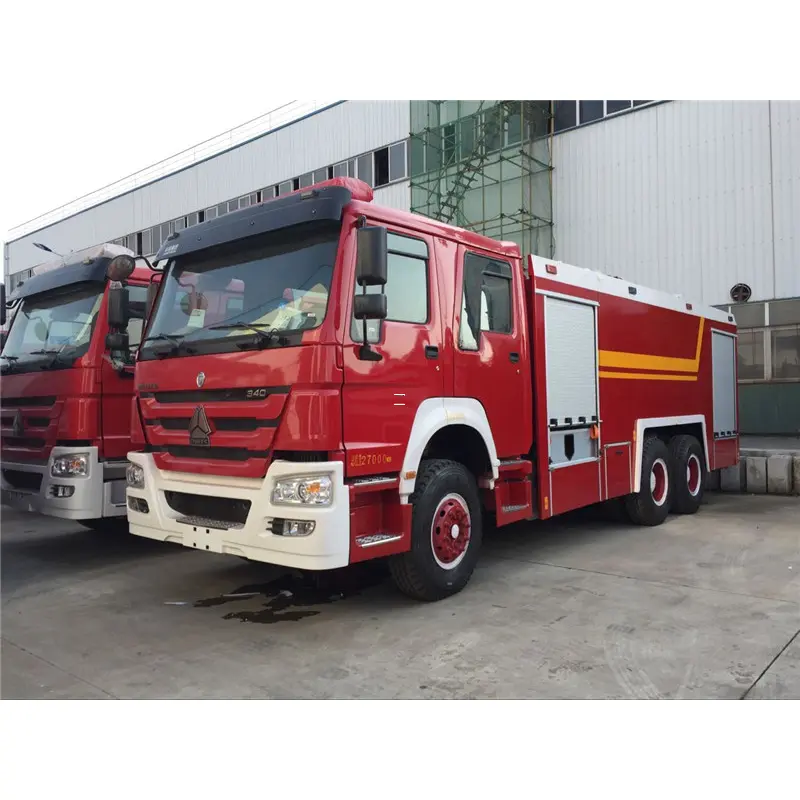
(571, 354)
(680, 197)
(785, 118)
(723, 354)
(333, 135)
(398, 196)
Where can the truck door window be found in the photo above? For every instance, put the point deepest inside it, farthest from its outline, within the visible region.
(137, 301)
(486, 299)
(406, 287)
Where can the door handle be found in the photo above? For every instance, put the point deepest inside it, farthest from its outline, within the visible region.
(514, 357)
(431, 351)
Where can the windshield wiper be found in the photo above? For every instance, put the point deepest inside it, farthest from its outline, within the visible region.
(10, 358)
(269, 335)
(56, 354)
(175, 339)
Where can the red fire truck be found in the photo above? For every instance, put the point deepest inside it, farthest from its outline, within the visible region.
(66, 404)
(324, 381)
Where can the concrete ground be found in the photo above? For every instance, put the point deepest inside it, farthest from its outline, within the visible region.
(702, 607)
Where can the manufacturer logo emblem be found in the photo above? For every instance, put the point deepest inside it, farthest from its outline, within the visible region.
(17, 428)
(199, 429)
(201, 379)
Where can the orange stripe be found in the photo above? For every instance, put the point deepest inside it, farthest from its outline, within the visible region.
(615, 358)
(647, 376)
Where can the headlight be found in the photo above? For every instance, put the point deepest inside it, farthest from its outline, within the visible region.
(72, 466)
(311, 490)
(134, 476)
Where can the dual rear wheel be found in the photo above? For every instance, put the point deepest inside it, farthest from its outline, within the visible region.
(673, 480)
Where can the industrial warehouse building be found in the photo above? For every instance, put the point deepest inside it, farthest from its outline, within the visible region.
(700, 199)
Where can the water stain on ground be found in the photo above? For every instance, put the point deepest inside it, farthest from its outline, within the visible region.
(293, 596)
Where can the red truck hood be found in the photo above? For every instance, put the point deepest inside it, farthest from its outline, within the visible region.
(40, 409)
(228, 414)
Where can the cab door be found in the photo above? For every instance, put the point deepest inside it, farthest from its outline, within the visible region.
(492, 362)
(381, 397)
(117, 387)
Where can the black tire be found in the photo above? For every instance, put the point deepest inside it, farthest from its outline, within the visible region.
(107, 525)
(688, 472)
(441, 490)
(651, 504)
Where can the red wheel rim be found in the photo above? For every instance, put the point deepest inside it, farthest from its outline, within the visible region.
(659, 482)
(693, 475)
(450, 531)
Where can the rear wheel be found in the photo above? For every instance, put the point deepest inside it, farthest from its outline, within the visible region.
(446, 533)
(651, 504)
(688, 473)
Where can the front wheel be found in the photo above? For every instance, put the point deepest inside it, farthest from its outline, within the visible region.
(651, 504)
(446, 533)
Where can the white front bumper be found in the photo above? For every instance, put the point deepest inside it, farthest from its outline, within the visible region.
(328, 547)
(94, 496)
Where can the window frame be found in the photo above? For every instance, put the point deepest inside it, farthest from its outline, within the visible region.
(467, 252)
(355, 325)
(768, 368)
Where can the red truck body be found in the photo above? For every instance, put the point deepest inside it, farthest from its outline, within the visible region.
(63, 401)
(518, 388)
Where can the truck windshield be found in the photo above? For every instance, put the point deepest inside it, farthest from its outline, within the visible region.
(277, 283)
(53, 323)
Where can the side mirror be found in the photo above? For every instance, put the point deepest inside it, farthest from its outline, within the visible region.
(118, 308)
(369, 306)
(371, 256)
(2, 304)
(117, 341)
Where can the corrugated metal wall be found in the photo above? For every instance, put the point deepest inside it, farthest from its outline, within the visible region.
(336, 134)
(686, 197)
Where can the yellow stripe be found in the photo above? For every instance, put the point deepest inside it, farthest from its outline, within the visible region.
(647, 376)
(614, 358)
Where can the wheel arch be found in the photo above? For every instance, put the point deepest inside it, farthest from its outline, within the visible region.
(449, 427)
(665, 428)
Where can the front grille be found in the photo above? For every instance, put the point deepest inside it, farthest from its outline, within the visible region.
(37, 422)
(196, 506)
(23, 441)
(238, 424)
(210, 453)
(16, 402)
(216, 395)
(301, 456)
(20, 479)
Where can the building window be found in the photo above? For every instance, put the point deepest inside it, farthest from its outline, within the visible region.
(320, 175)
(641, 102)
(786, 353)
(565, 114)
(222, 209)
(306, 180)
(340, 170)
(397, 162)
(381, 166)
(751, 355)
(147, 243)
(365, 168)
(591, 110)
(406, 287)
(615, 106)
(493, 128)
(192, 219)
(284, 188)
(449, 144)
(466, 143)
